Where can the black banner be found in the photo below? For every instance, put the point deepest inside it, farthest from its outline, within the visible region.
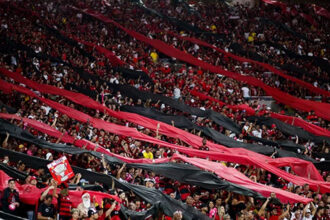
(289, 129)
(152, 196)
(175, 171)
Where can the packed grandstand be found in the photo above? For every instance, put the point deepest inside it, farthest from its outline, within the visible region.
(123, 109)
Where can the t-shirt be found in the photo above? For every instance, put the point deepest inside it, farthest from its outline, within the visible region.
(148, 155)
(246, 92)
(257, 133)
(177, 93)
(46, 211)
(309, 218)
(154, 56)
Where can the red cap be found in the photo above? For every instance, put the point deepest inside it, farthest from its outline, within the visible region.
(107, 206)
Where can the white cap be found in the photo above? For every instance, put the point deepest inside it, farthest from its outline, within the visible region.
(48, 155)
(85, 195)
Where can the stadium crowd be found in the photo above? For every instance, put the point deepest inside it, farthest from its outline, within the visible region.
(171, 78)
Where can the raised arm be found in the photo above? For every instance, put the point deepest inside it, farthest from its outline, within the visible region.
(263, 207)
(286, 212)
(5, 142)
(120, 170)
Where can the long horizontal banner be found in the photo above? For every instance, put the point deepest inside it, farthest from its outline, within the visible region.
(195, 141)
(266, 66)
(211, 155)
(185, 123)
(166, 129)
(288, 129)
(238, 48)
(313, 129)
(282, 195)
(30, 194)
(321, 109)
(178, 172)
(152, 196)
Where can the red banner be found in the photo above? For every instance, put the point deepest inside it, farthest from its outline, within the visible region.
(168, 130)
(321, 11)
(314, 129)
(321, 109)
(30, 194)
(114, 60)
(304, 84)
(299, 166)
(246, 108)
(234, 176)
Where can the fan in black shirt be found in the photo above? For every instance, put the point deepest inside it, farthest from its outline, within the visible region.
(46, 210)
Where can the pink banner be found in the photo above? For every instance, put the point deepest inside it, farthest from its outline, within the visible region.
(237, 177)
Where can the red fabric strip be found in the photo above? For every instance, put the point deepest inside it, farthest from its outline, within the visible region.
(220, 156)
(30, 194)
(304, 84)
(164, 128)
(321, 109)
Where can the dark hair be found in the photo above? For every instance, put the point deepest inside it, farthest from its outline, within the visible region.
(48, 197)
(11, 180)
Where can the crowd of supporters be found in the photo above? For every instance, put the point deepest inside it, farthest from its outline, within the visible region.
(171, 78)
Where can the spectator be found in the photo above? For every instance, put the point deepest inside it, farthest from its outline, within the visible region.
(92, 214)
(64, 203)
(177, 215)
(10, 198)
(147, 154)
(46, 210)
(85, 205)
(74, 214)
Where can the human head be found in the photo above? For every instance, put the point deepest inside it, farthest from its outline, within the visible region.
(226, 217)
(189, 200)
(149, 183)
(33, 181)
(48, 199)
(64, 189)
(49, 156)
(11, 184)
(172, 195)
(86, 199)
(177, 215)
(75, 214)
(122, 195)
(92, 214)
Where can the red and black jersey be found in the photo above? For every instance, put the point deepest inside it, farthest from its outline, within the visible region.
(65, 205)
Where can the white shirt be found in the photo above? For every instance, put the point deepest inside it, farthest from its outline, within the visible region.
(257, 133)
(177, 93)
(246, 92)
